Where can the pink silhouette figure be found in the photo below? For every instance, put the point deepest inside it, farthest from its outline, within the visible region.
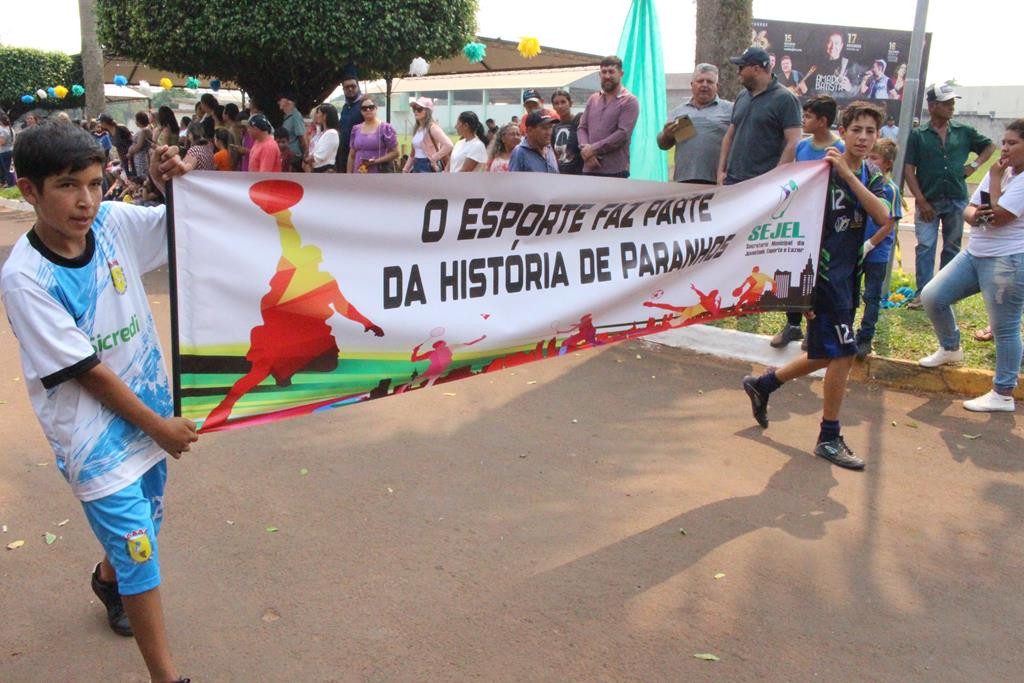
(585, 333)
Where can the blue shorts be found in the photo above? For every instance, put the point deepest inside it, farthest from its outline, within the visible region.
(126, 524)
(830, 334)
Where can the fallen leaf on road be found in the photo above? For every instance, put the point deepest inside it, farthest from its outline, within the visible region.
(682, 531)
(449, 393)
(575, 421)
(894, 423)
(271, 529)
(972, 437)
(700, 392)
(532, 381)
(15, 545)
(4, 529)
(638, 356)
(229, 522)
(49, 538)
(912, 425)
(707, 657)
(719, 575)
(42, 464)
(63, 522)
(303, 471)
(270, 614)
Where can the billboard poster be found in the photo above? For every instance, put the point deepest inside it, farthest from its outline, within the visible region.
(846, 62)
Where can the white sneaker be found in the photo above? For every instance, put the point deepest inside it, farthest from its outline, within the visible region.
(941, 357)
(991, 403)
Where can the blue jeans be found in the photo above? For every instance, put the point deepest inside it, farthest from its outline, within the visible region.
(1000, 279)
(874, 274)
(5, 168)
(951, 213)
(423, 165)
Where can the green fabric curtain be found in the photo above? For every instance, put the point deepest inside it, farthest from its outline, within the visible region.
(644, 66)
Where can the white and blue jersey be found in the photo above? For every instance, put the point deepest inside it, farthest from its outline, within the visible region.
(70, 315)
(807, 151)
(880, 254)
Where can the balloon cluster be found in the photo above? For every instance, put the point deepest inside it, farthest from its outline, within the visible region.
(191, 83)
(419, 67)
(475, 52)
(529, 47)
(56, 92)
(898, 298)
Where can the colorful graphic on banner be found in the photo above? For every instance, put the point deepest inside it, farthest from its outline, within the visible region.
(294, 294)
(845, 62)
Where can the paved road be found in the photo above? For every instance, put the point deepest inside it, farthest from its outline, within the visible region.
(529, 528)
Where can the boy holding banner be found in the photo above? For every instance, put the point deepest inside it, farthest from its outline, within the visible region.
(72, 288)
(856, 191)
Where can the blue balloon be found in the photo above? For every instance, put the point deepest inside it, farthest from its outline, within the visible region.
(215, 85)
(120, 80)
(27, 99)
(51, 92)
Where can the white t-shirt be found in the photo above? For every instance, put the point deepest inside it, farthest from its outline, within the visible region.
(325, 148)
(469, 149)
(69, 315)
(1009, 239)
(417, 145)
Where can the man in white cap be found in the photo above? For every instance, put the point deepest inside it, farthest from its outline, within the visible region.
(935, 170)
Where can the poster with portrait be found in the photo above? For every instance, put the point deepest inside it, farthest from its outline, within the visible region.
(846, 62)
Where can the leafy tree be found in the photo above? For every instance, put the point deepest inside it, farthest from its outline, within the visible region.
(273, 45)
(26, 70)
(723, 31)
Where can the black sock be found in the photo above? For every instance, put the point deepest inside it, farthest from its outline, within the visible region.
(767, 383)
(794, 319)
(829, 430)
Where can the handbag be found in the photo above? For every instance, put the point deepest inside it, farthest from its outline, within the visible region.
(441, 163)
(390, 166)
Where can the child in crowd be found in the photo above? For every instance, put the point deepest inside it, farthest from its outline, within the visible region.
(856, 191)
(287, 155)
(878, 246)
(222, 143)
(90, 353)
(819, 115)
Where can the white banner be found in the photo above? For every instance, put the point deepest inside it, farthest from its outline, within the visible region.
(299, 292)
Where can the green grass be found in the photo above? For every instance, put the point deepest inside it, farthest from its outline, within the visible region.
(976, 177)
(10, 193)
(900, 333)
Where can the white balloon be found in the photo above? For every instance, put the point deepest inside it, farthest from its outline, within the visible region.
(41, 94)
(419, 67)
(145, 88)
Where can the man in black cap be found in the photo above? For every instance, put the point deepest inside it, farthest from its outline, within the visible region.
(766, 122)
(534, 153)
(350, 114)
(295, 125)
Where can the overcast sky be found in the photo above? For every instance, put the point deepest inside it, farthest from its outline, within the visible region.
(973, 42)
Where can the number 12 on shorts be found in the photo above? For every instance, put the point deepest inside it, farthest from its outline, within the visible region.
(844, 334)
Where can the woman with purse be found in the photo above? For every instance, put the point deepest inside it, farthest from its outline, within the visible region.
(323, 147)
(373, 146)
(431, 147)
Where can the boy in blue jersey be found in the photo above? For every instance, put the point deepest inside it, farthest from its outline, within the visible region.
(72, 288)
(819, 114)
(856, 191)
(878, 246)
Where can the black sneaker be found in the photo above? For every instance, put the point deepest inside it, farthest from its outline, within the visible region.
(758, 400)
(111, 599)
(788, 333)
(863, 349)
(838, 453)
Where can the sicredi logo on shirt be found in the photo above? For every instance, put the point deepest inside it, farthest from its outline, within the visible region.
(105, 342)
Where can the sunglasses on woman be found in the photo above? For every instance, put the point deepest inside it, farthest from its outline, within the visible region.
(417, 110)
(368, 107)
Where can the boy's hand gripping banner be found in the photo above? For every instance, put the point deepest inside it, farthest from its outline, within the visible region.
(297, 293)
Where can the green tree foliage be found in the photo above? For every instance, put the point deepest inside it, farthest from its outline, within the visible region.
(274, 45)
(25, 71)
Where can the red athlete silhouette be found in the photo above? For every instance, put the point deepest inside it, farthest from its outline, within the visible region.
(709, 303)
(294, 335)
(585, 333)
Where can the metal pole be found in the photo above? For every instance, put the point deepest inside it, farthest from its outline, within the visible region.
(908, 109)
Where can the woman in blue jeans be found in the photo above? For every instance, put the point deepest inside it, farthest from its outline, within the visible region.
(992, 264)
(6, 151)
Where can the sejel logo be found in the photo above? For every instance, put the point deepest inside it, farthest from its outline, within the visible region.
(788, 193)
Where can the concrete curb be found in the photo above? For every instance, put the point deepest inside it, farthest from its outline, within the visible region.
(901, 374)
(16, 204)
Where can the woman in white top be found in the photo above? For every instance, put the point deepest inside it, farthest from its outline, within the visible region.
(470, 152)
(323, 148)
(431, 147)
(993, 264)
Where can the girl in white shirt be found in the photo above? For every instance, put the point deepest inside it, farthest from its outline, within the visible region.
(470, 153)
(323, 148)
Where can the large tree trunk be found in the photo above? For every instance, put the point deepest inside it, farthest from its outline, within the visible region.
(723, 31)
(92, 60)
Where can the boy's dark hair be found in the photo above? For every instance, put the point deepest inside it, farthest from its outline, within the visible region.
(824, 107)
(612, 60)
(231, 109)
(281, 134)
(209, 100)
(886, 149)
(142, 119)
(53, 148)
(855, 110)
(223, 137)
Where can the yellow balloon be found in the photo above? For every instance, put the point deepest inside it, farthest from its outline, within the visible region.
(166, 83)
(61, 91)
(529, 47)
